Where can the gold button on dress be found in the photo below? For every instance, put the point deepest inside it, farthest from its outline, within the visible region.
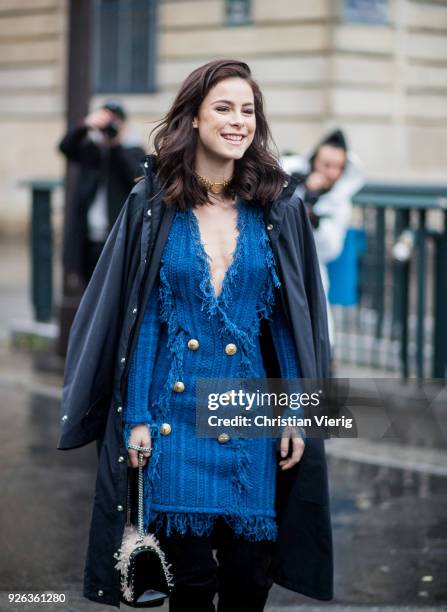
(179, 387)
(165, 429)
(231, 349)
(193, 344)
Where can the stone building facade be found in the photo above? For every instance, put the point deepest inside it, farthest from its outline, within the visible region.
(377, 68)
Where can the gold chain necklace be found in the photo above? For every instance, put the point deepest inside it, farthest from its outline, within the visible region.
(214, 187)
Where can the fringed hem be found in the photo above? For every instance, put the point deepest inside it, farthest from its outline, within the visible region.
(253, 528)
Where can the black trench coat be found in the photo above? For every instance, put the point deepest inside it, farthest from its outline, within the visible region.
(101, 342)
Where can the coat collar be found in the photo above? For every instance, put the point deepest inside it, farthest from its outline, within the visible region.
(274, 214)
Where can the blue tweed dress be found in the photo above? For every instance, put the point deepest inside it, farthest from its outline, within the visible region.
(190, 480)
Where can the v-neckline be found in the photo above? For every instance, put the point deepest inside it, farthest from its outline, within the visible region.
(208, 259)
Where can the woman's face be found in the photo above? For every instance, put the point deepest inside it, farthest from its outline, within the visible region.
(226, 121)
(330, 163)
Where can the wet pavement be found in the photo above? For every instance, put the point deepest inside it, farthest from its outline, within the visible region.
(388, 497)
(390, 523)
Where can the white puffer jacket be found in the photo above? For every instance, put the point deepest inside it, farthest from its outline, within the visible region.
(336, 206)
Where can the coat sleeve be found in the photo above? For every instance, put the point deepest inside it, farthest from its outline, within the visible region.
(303, 294)
(94, 335)
(79, 148)
(316, 297)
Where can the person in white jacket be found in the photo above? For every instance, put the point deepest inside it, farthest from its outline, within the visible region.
(330, 176)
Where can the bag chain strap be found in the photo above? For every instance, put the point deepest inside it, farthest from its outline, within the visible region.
(141, 450)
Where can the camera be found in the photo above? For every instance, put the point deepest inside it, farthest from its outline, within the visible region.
(111, 129)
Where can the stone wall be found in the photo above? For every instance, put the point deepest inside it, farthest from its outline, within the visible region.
(32, 65)
(385, 84)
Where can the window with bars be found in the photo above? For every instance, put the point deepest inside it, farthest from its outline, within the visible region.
(124, 46)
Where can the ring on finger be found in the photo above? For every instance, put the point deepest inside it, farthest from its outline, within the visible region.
(141, 449)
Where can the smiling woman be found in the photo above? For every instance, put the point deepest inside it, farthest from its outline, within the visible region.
(223, 279)
(217, 119)
(226, 123)
(217, 281)
(197, 157)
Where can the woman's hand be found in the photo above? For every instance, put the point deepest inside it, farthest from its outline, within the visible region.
(141, 436)
(290, 435)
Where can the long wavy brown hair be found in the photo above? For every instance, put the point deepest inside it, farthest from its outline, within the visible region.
(257, 175)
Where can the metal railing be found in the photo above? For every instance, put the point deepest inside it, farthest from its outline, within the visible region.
(400, 321)
(41, 246)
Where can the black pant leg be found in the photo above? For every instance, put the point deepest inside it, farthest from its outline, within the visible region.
(194, 570)
(244, 573)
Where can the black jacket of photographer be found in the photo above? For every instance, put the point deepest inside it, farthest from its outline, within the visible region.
(117, 166)
(101, 343)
